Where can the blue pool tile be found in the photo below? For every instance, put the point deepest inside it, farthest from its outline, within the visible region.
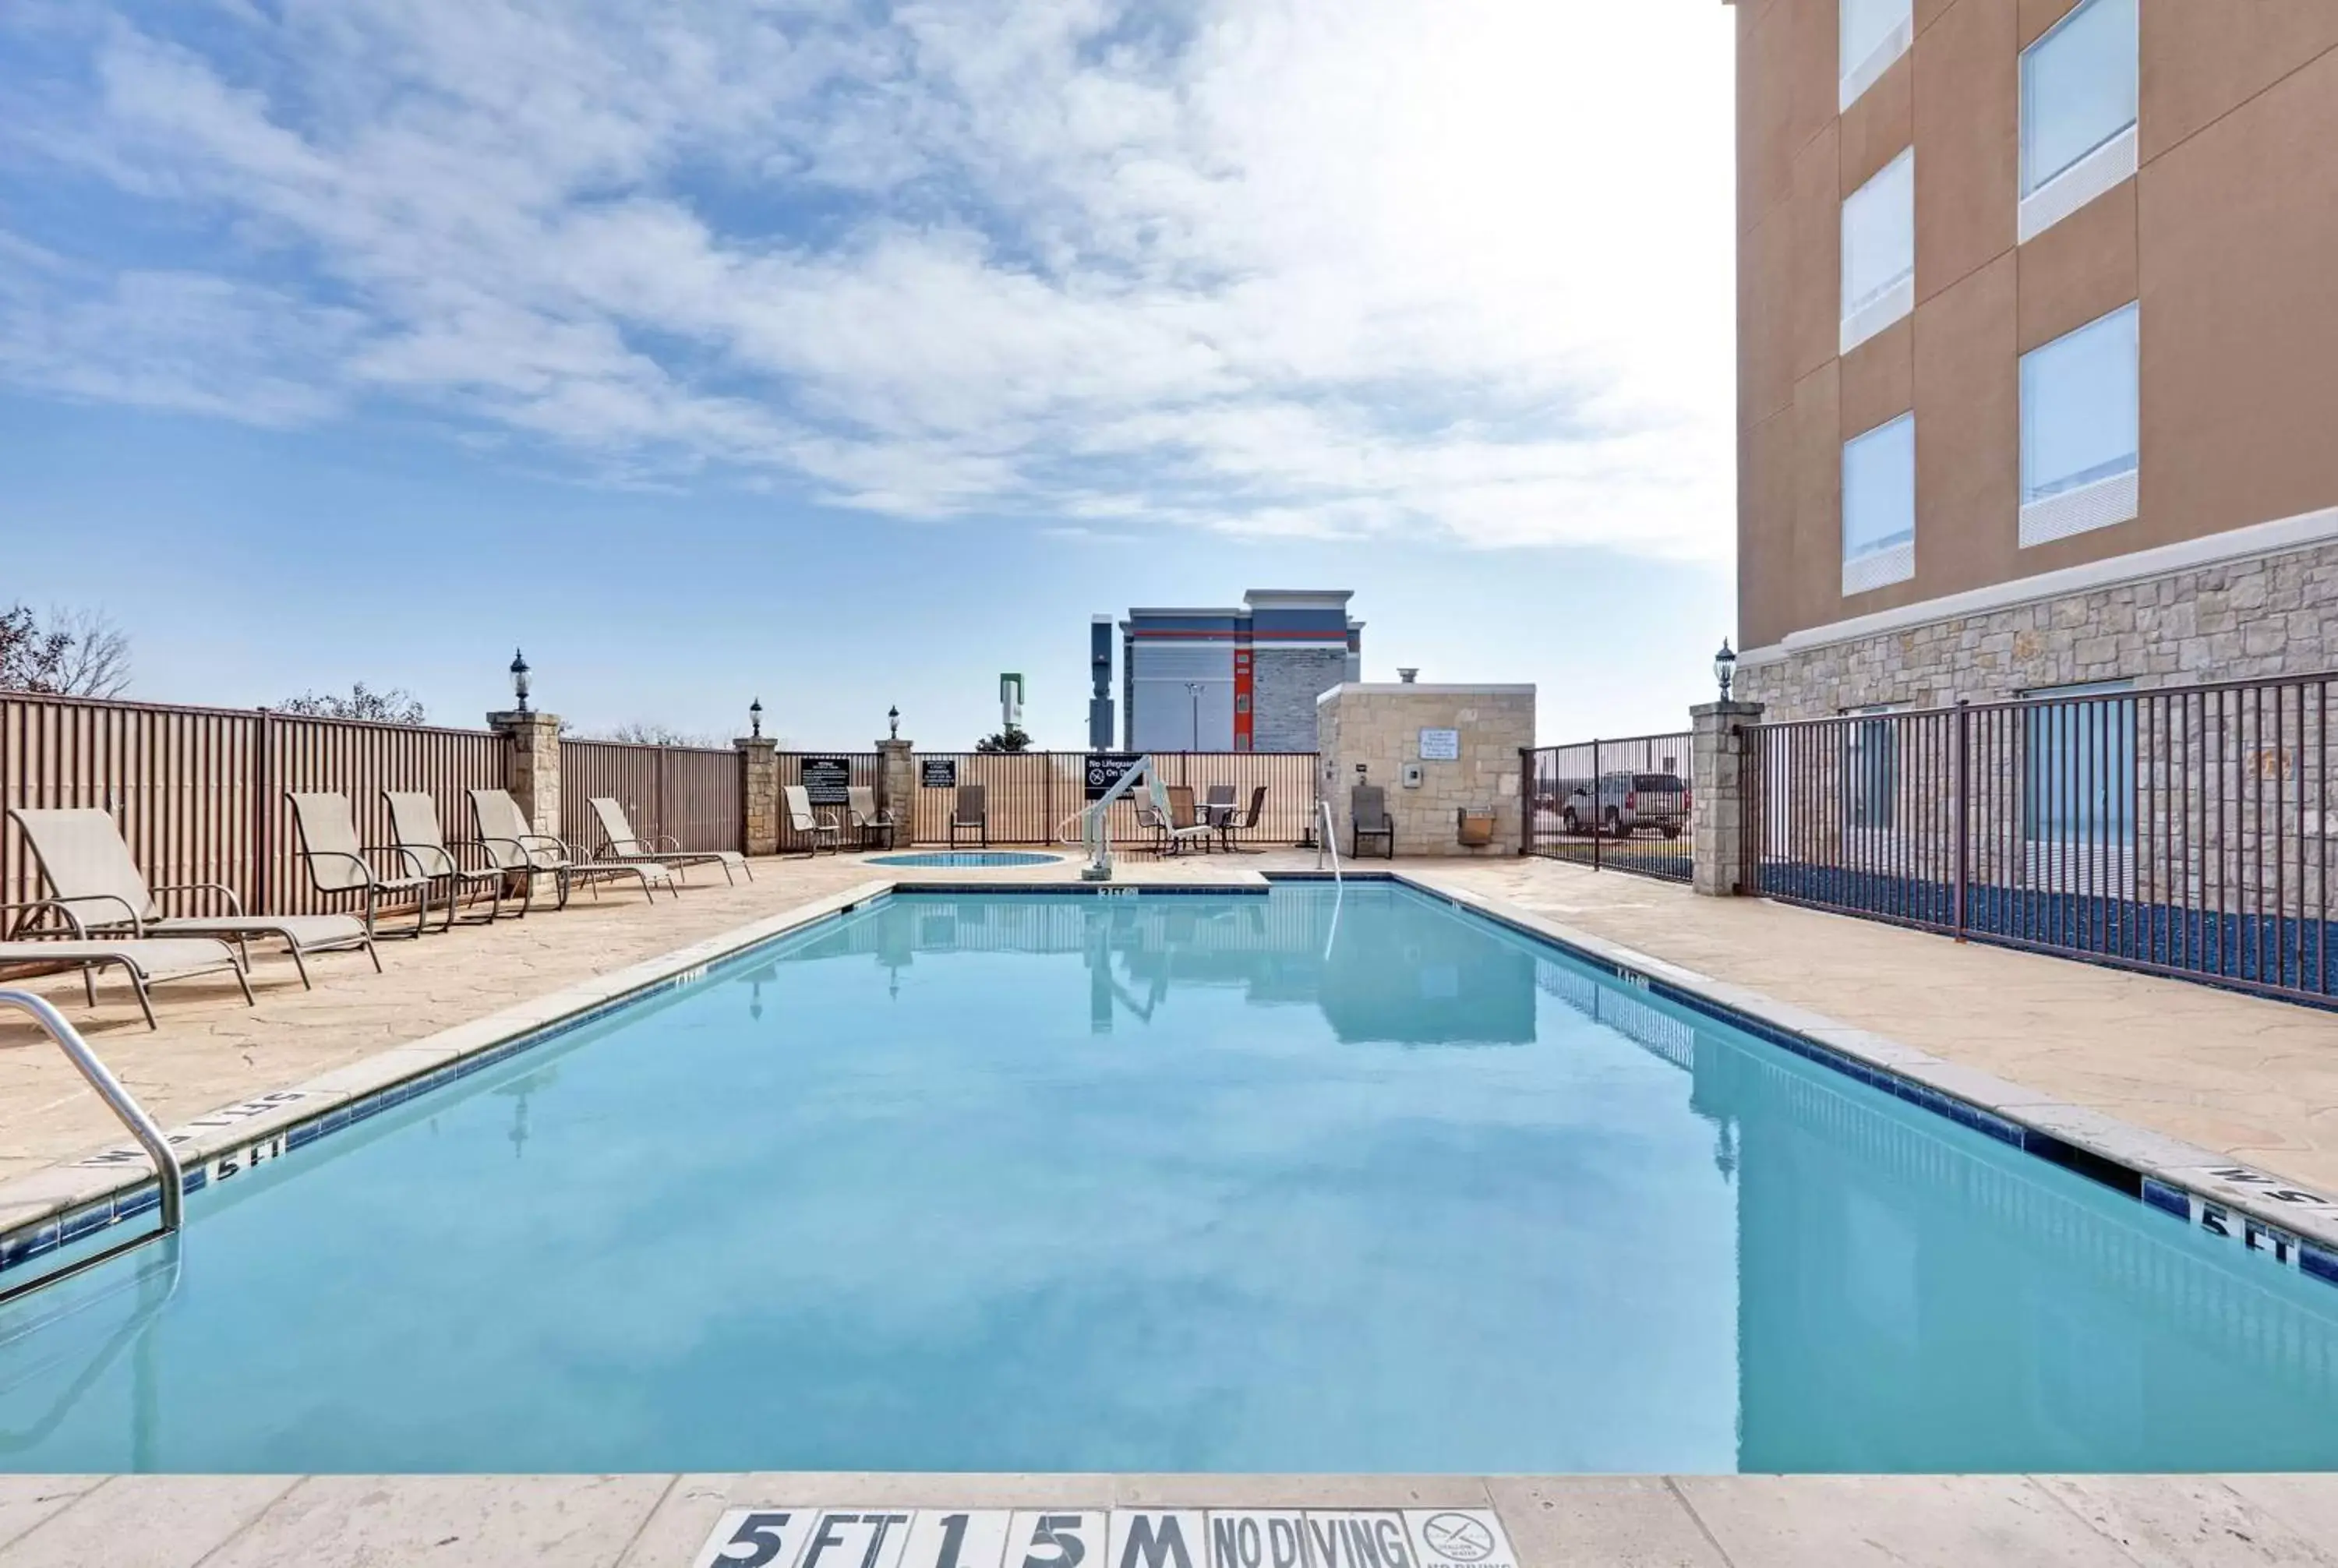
(2319, 1261)
(2168, 1199)
(82, 1223)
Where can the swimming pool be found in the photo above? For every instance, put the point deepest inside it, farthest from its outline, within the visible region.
(966, 859)
(1297, 1180)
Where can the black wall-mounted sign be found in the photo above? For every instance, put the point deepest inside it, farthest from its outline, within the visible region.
(938, 773)
(1104, 770)
(827, 780)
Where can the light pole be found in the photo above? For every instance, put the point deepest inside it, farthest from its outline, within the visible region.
(1193, 691)
(1724, 669)
(755, 718)
(519, 679)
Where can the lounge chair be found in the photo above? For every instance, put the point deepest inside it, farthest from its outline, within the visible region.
(98, 891)
(337, 862)
(1175, 827)
(414, 824)
(1230, 822)
(620, 843)
(520, 849)
(971, 813)
(815, 828)
(146, 962)
(862, 813)
(1368, 818)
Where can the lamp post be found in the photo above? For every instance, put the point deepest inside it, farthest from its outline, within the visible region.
(1724, 669)
(519, 679)
(1193, 691)
(755, 719)
(893, 722)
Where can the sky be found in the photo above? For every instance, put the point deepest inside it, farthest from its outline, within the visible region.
(845, 354)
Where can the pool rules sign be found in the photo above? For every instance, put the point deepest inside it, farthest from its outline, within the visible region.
(786, 1537)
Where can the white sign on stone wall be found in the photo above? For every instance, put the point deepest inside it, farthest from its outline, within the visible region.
(1440, 745)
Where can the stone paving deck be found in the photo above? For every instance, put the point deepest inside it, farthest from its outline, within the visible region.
(652, 1521)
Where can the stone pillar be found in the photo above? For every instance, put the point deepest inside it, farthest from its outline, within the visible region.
(759, 794)
(896, 788)
(1720, 779)
(532, 766)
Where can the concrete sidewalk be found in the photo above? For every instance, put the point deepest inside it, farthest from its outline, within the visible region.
(652, 1521)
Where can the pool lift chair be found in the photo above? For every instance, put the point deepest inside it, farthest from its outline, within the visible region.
(1096, 833)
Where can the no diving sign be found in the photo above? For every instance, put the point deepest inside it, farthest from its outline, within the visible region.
(797, 1537)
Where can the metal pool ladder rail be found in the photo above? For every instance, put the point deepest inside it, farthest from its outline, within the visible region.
(132, 1115)
(1328, 843)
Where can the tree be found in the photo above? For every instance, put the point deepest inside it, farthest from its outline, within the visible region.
(1011, 738)
(395, 706)
(72, 654)
(649, 732)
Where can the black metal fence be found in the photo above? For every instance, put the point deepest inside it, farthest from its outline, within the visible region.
(2186, 830)
(1612, 805)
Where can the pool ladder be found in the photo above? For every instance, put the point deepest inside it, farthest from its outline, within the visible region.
(132, 1115)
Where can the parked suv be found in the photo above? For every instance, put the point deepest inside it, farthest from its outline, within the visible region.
(1624, 804)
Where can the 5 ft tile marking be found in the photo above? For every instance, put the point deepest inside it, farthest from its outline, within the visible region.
(783, 1536)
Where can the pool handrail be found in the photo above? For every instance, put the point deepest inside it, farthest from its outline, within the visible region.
(1328, 842)
(168, 1172)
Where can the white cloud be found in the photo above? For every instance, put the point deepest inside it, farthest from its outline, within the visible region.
(1284, 265)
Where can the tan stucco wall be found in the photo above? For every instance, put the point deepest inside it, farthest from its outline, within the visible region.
(1380, 727)
(2227, 236)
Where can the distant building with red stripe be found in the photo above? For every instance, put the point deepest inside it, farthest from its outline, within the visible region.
(1238, 679)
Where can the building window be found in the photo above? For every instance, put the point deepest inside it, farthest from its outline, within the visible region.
(2078, 95)
(1875, 32)
(2079, 422)
(1871, 765)
(1878, 251)
(2078, 780)
(1879, 506)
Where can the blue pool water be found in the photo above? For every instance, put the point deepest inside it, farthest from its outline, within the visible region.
(1297, 1181)
(966, 859)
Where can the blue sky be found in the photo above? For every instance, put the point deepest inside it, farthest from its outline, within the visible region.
(845, 354)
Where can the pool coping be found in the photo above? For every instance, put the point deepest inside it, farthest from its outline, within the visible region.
(2256, 1210)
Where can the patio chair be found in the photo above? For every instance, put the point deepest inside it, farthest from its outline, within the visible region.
(144, 962)
(620, 843)
(518, 849)
(815, 828)
(419, 842)
(98, 891)
(972, 813)
(1174, 823)
(1232, 821)
(861, 814)
(1368, 818)
(337, 862)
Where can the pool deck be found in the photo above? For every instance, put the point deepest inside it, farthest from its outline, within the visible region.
(2252, 1080)
(1555, 1521)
